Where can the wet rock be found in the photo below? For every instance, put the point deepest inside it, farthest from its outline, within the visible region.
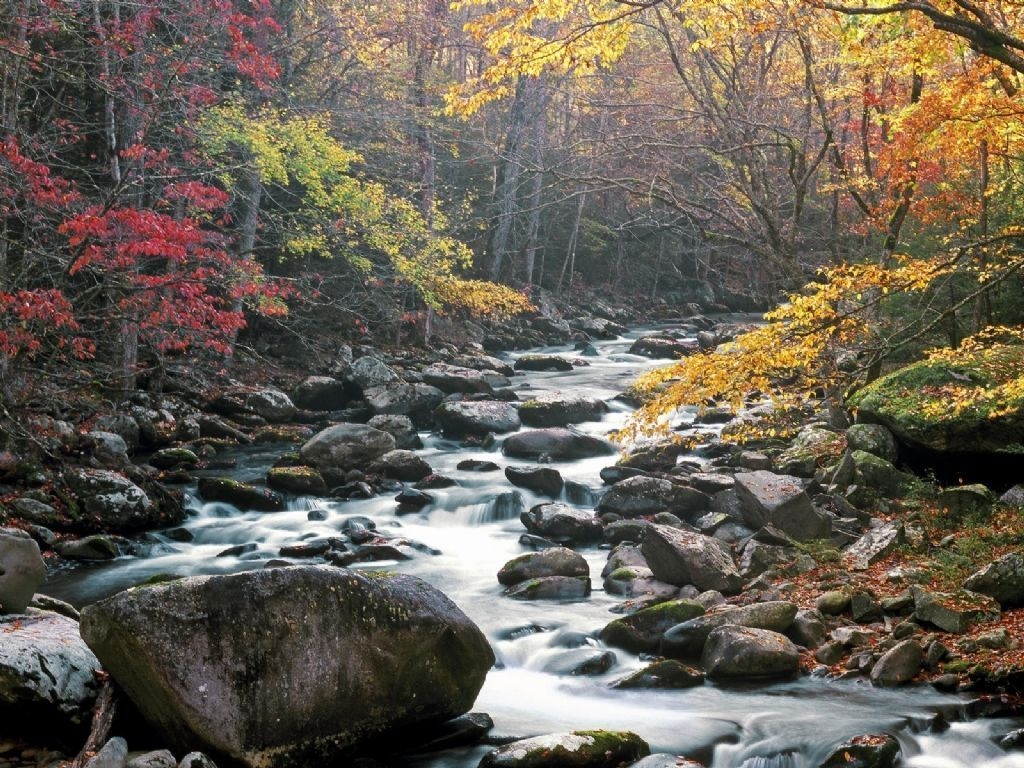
(239, 494)
(551, 588)
(558, 561)
(399, 427)
(453, 379)
(558, 443)
(477, 465)
(22, 570)
(321, 393)
(288, 665)
(346, 446)
(898, 665)
(531, 362)
(681, 557)
(369, 372)
(781, 501)
(95, 547)
(413, 500)
(642, 631)
(687, 640)
(543, 480)
(417, 401)
(875, 545)
(561, 522)
(476, 417)
(113, 754)
(400, 464)
(667, 674)
(953, 612)
(303, 481)
(639, 496)
(171, 458)
(661, 347)
(867, 751)
(579, 749)
(735, 652)
(580, 662)
(48, 678)
(560, 409)
(1002, 580)
(109, 501)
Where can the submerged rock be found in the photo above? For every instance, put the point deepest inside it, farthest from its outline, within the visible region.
(579, 749)
(289, 665)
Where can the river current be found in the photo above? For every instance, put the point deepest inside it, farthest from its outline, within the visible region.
(473, 528)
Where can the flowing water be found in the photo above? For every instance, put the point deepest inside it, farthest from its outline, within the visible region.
(472, 529)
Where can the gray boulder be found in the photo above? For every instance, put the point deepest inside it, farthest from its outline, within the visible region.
(452, 379)
(642, 495)
(321, 393)
(579, 749)
(551, 588)
(874, 545)
(346, 446)
(1002, 580)
(109, 501)
(684, 557)
(687, 640)
(48, 677)
(780, 500)
(953, 611)
(476, 417)
(399, 427)
(544, 480)
(555, 443)
(557, 561)
(288, 666)
(733, 652)
(898, 665)
(22, 570)
(560, 409)
(113, 754)
(370, 372)
(641, 631)
(874, 439)
(398, 398)
(400, 465)
(561, 522)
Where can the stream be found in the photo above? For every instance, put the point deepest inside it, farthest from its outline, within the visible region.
(473, 528)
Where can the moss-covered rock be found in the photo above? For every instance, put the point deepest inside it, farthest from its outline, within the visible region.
(972, 405)
(642, 631)
(579, 749)
(299, 479)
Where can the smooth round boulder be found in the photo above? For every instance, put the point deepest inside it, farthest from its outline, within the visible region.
(558, 561)
(544, 480)
(561, 522)
(641, 495)
(579, 749)
(22, 570)
(555, 443)
(560, 409)
(346, 446)
(733, 652)
(288, 666)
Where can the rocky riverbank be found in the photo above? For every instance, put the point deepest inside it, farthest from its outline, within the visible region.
(818, 556)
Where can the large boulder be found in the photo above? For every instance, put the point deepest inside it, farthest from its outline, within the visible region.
(22, 570)
(1002, 580)
(686, 640)
(452, 379)
(346, 446)
(399, 398)
(641, 631)
(288, 666)
(733, 652)
(48, 677)
(109, 501)
(920, 402)
(780, 500)
(579, 749)
(555, 443)
(560, 409)
(560, 522)
(642, 495)
(557, 561)
(684, 557)
(476, 417)
(322, 393)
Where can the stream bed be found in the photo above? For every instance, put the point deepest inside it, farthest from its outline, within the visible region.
(473, 529)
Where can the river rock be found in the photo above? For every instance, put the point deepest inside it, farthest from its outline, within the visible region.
(399, 464)
(641, 631)
(953, 612)
(476, 417)
(453, 379)
(268, 403)
(482, 362)
(399, 427)
(536, 362)
(218, 429)
(899, 664)
(304, 481)
(661, 347)
(174, 458)
(551, 588)
(560, 409)
(560, 522)
(369, 372)
(687, 640)
(96, 547)
(579, 749)
(37, 512)
(346, 446)
(158, 758)
(321, 393)
(556, 443)
(580, 662)
(683, 557)
(867, 751)
(875, 545)
(239, 494)
(22, 570)
(544, 480)
(288, 666)
(1002, 580)
(417, 401)
(108, 448)
(734, 652)
(109, 501)
(874, 439)
(780, 500)
(558, 561)
(668, 674)
(641, 495)
(48, 677)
